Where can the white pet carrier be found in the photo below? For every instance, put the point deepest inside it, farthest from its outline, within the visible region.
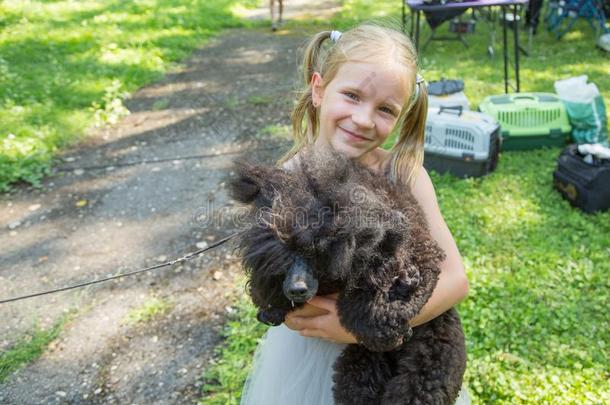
(463, 143)
(449, 100)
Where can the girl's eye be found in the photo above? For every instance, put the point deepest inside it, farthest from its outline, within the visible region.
(387, 110)
(351, 95)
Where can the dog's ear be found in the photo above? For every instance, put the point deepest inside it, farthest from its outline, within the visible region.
(242, 187)
(251, 183)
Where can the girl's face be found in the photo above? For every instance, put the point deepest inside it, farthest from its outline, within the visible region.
(359, 107)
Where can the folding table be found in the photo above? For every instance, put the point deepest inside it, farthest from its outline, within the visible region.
(418, 6)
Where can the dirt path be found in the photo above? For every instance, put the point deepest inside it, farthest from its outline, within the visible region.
(101, 214)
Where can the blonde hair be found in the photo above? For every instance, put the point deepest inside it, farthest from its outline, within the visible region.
(362, 44)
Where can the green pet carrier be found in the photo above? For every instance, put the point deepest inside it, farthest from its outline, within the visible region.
(529, 120)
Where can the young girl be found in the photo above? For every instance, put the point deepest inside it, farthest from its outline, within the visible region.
(359, 88)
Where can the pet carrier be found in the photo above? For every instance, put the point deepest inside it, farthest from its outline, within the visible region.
(583, 179)
(529, 120)
(447, 93)
(463, 143)
(458, 99)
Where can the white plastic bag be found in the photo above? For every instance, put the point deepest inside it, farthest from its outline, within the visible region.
(586, 109)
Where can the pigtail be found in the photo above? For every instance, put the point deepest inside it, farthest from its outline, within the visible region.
(304, 115)
(408, 152)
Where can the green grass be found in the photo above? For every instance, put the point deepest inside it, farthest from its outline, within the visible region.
(275, 131)
(536, 317)
(66, 66)
(225, 377)
(260, 99)
(151, 309)
(29, 348)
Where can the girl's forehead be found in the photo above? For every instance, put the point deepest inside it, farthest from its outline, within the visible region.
(388, 79)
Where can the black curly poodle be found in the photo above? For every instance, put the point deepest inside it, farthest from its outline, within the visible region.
(333, 226)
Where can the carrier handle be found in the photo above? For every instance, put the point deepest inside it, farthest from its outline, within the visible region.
(457, 108)
(524, 98)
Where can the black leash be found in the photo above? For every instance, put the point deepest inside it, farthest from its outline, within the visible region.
(131, 273)
(164, 160)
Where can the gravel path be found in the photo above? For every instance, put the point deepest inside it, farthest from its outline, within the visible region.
(145, 191)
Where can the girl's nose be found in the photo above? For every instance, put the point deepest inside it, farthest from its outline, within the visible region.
(363, 117)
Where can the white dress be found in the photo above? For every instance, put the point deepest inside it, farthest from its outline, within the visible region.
(290, 369)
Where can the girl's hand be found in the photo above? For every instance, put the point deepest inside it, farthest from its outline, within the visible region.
(318, 318)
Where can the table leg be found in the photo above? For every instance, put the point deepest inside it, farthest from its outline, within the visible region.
(517, 47)
(505, 49)
(412, 22)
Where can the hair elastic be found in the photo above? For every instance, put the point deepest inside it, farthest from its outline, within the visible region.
(418, 81)
(335, 35)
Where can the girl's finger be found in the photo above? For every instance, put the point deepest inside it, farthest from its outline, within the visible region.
(303, 322)
(293, 322)
(312, 333)
(311, 322)
(328, 304)
(317, 334)
(306, 332)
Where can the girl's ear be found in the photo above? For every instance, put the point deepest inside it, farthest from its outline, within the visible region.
(317, 89)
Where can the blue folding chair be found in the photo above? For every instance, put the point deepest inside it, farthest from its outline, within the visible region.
(562, 16)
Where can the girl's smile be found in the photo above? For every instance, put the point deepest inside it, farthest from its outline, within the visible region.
(359, 107)
(352, 136)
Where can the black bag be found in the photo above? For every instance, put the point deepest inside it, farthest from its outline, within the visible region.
(444, 87)
(584, 183)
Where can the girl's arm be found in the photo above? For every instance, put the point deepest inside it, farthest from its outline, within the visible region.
(452, 286)
(320, 319)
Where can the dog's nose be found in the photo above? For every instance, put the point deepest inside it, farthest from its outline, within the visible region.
(299, 283)
(297, 289)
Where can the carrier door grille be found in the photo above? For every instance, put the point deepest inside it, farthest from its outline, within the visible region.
(459, 139)
(428, 135)
(529, 118)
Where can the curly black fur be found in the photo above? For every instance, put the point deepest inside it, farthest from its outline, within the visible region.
(333, 226)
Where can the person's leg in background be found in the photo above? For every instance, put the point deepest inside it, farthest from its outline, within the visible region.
(274, 25)
(272, 11)
(532, 14)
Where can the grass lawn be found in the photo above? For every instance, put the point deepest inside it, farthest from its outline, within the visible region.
(536, 317)
(29, 348)
(66, 66)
